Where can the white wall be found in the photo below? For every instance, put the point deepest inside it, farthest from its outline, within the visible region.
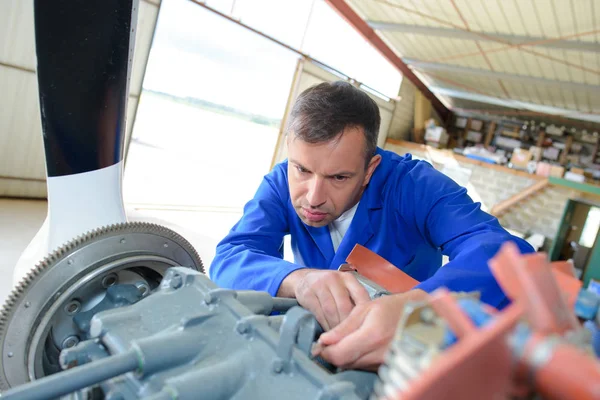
(22, 164)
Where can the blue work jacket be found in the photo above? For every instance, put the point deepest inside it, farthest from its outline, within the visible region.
(409, 213)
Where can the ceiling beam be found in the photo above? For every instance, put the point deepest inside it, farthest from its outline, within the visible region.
(540, 108)
(579, 45)
(431, 66)
(371, 36)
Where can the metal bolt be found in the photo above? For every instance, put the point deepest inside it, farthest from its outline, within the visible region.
(27, 304)
(143, 288)
(209, 298)
(242, 327)
(73, 307)
(69, 342)
(10, 354)
(70, 262)
(176, 281)
(166, 245)
(109, 280)
(122, 241)
(277, 366)
(427, 316)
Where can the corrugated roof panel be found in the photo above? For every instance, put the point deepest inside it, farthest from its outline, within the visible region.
(449, 48)
(21, 145)
(444, 10)
(413, 12)
(526, 12)
(583, 13)
(17, 41)
(405, 44)
(543, 18)
(511, 18)
(516, 92)
(565, 23)
(591, 60)
(595, 15)
(537, 18)
(476, 14)
(546, 96)
(496, 12)
(569, 100)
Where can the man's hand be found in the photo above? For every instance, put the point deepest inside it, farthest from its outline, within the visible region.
(329, 295)
(361, 340)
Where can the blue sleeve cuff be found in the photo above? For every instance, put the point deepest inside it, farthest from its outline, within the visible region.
(280, 276)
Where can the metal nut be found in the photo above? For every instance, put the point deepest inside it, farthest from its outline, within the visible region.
(176, 282)
(109, 280)
(73, 307)
(69, 342)
(143, 288)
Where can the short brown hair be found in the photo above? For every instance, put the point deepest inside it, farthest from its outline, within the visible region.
(323, 111)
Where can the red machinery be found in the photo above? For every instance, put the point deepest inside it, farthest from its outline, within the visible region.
(453, 346)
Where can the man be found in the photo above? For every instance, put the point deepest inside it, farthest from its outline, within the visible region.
(337, 189)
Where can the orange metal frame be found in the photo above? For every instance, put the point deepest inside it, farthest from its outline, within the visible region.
(482, 363)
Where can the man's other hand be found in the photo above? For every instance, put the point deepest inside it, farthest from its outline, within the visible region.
(329, 295)
(361, 340)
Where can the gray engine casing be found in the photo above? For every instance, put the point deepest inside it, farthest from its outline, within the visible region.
(196, 340)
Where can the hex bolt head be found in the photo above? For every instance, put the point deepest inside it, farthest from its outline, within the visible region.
(69, 342)
(176, 282)
(73, 307)
(242, 327)
(277, 366)
(143, 288)
(109, 280)
(427, 316)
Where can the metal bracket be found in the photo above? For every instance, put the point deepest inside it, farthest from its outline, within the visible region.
(298, 330)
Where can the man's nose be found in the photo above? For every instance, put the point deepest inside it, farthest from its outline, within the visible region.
(316, 192)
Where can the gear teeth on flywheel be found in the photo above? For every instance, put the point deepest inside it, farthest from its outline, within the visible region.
(66, 248)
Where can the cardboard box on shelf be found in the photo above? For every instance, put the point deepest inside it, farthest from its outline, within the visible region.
(474, 136)
(579, 171)
(557, 171)
(476, 124)
(551, 153)
(574, 177)
(536, 153)
(436, 136)
(543, 169)
(511, 134)
(520, 158)
(546, 169)
(461, 122)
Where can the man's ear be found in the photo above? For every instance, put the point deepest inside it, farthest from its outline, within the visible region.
(373, 163)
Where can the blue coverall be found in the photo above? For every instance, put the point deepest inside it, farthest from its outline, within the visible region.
(410, 214)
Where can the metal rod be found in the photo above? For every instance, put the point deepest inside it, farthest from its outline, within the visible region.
(69, 381)
(283, 304)
(558, 42)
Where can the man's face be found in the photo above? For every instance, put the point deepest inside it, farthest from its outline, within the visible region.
(326, 179)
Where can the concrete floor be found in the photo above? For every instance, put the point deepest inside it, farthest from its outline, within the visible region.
(20, 220)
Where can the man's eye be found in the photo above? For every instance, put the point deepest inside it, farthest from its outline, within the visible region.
(340, 178)
(300, 169)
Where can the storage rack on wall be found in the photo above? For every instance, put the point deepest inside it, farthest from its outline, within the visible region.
(558, 146)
